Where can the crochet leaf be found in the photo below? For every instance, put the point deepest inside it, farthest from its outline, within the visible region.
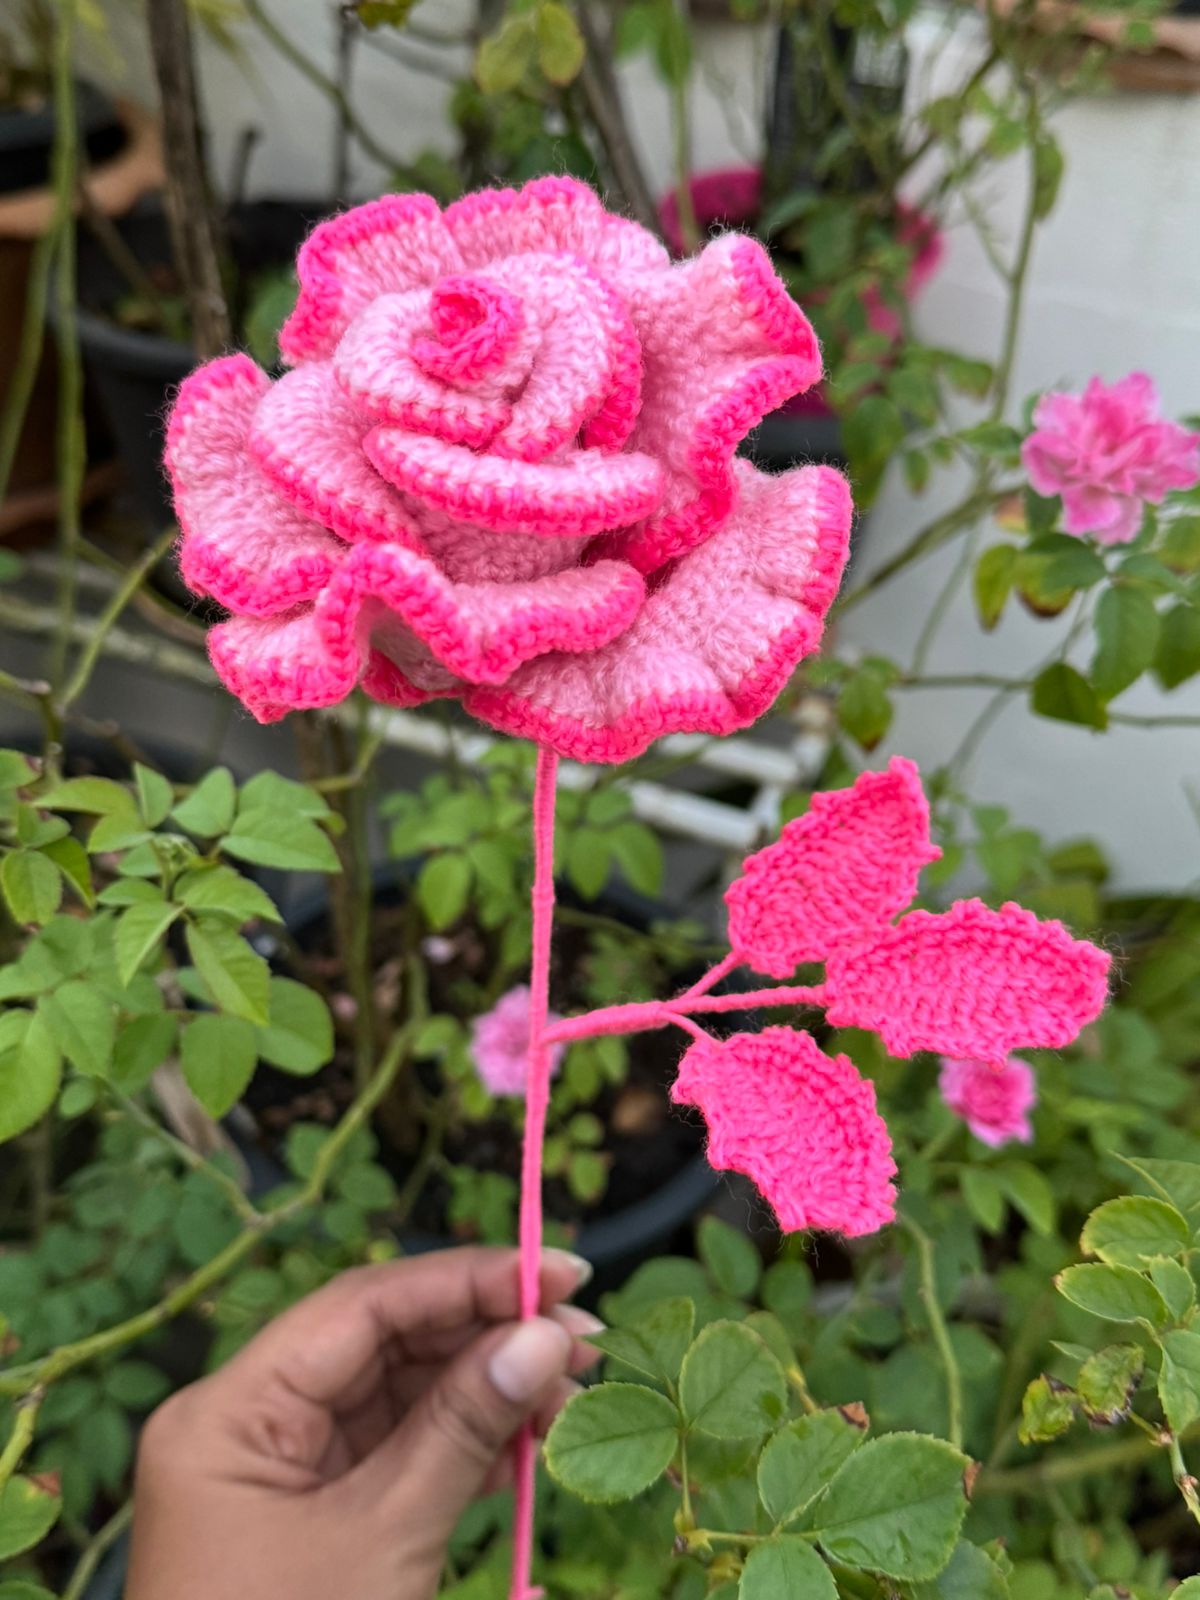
(970, 982)
(801, 1124)
(836, 873)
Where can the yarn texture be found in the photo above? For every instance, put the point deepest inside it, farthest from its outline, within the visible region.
(502, 468)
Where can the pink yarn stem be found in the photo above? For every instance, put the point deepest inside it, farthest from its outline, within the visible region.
(643, 1015)
(537, 1098)
(713, 976)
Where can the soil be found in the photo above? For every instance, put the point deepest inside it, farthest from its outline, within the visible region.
(647, 1140)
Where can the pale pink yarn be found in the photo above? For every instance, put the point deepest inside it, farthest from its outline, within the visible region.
(502, 468)
(500, 1043)
(1107, 452)
(994, 1102)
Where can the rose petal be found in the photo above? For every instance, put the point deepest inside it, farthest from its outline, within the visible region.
(549, 214)
(388, 245)
(850, 863)
(578, 494)
(307, 438)
(723, 343)
(242, 544)
(801, 1124)
(969, 982)
(714, 643)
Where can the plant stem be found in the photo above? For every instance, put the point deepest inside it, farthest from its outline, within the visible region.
(945, 599)
(21, 1436)
(29, 350)
(195, 236)
(229, 1187)
(25, 1380)
(1019, 275)
(936, 533)
(937, 1326)
(602, 94)
(108, 618)
(681, 128)
(1065, 1468)
(99, 1547)
(1184, 1481)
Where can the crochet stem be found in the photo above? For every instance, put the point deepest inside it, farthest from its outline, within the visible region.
(643, 1015)
(537, 1096)
(713, 976)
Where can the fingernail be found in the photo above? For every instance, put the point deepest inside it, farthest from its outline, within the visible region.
(579, 1323)
(564, 1258)
(532, 1356)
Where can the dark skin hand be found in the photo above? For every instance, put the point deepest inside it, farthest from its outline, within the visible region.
(335, 1453)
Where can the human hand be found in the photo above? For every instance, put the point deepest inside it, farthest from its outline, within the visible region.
(335, 1453)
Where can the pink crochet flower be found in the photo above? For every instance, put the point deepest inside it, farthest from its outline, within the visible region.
(500, 1043)
(1107, 452)
(502, 468)
(994, 1102)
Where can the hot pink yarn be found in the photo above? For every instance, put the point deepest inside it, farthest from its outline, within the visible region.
(500, 1043)
(994, 1102)
(847, 865)
(502, 468)
(801, 1124)
(1107, 452)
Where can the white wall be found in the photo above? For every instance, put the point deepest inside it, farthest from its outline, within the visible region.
(1113, 287)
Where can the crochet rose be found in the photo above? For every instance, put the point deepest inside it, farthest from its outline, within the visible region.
(502, 468)
(1107, 452)
(994, 1102)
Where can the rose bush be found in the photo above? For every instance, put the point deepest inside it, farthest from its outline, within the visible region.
(502, 468)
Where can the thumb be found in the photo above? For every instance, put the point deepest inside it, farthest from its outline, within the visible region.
(440, 1457)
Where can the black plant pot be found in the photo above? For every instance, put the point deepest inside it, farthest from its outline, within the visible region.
(134, 372)
(27, 137)
(615, 1244)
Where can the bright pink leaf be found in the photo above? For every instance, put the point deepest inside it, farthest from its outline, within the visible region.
(971, 982)
(801, 1124)
(850, 863)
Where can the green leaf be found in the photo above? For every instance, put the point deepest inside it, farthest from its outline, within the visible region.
(1189, 1589)
(1048, 165)
(993, 438)
(269, 791)
(612, 1441)
(218, 1055)
(801, 1459)
(119, 830)
(1177, 657)
(84, 1025)
(19, 1589)
(139, 931)
(209, 809)
(970, 1575)
(1180, 547)
(237, 978)
(136, 1384)
(1127, 630)
(896, 1507)
(1030, 1192)
(96, 796)
(155, 794)
(984, 1194)
(785, 1567)
(1179, 1378)
(1175, 1283)
(587, 862)
(284, 839)
(224, 890)
(864, 708)
(443, 887)
(30, 1071)
(1178, 1182)
(15, 770)
(1117, 1294)
(1047, 1410)
(383, 13)
(732, 1262)
(1125, 1231)
(1065, 695)
(142, 1045)
(28, 1510)
(1108, 1381)
(731, 1385)
(32, 886)
(559, 43)
(995, 572)
(105, 1441)
(299, 1036)
(504, 57)
(656, 1343)
(71, 859)
(873, 430)
(639, 855)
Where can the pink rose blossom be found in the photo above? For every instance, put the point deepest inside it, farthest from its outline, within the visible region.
(503, 467)
(1107, 452)
(500, 1043)
(994, 1102)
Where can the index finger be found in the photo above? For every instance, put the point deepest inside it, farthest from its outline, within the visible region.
(321, 1347)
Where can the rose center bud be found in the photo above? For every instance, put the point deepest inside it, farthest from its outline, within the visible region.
(476, 327)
